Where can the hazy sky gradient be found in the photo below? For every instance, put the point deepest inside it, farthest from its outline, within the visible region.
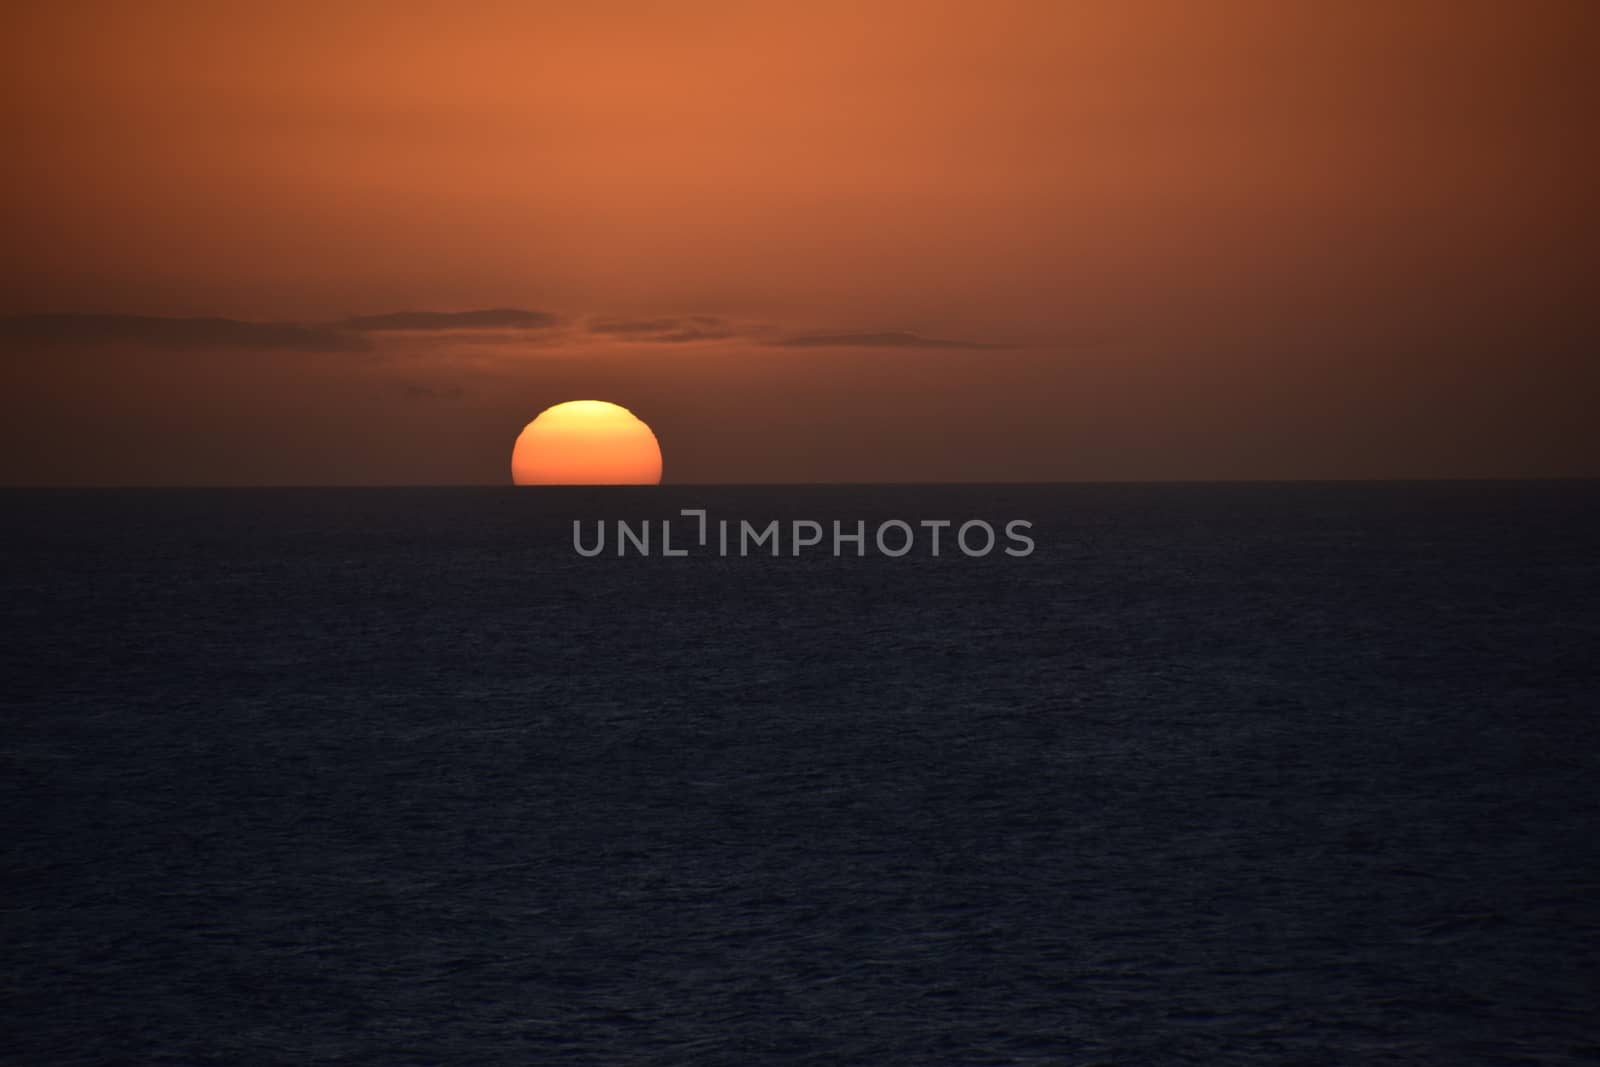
(904, 241)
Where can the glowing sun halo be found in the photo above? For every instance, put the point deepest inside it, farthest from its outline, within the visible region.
(586, 442)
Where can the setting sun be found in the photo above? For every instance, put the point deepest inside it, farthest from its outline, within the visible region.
(586, 442)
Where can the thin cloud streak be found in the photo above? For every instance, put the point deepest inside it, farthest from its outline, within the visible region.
(677, 330)
(417, 321)
(182, 334)
(508, 325)
(175, 333)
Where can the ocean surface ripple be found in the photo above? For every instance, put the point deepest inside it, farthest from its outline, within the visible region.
(1225, 774)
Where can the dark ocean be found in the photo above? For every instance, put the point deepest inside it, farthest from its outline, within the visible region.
(1219, 774)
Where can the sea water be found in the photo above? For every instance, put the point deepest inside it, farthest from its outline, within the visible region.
(1233, 774)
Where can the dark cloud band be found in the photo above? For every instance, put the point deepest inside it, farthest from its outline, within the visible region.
(197, 333)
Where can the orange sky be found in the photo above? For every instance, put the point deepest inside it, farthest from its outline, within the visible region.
(1175, 240)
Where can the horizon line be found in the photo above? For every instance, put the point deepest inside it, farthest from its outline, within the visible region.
(1054, 483)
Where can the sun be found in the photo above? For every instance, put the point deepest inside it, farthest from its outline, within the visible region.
(586, 442)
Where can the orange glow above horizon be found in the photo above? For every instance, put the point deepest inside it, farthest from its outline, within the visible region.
(1094, 241)
(586, 442)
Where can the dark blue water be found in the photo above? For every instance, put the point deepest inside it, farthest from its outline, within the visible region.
(1220, 774)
